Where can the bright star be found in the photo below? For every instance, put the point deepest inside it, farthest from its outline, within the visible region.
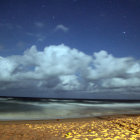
(124, 32)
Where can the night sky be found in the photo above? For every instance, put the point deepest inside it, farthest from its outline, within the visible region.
(70, 48)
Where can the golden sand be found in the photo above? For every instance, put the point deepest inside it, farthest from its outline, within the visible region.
(120, 127)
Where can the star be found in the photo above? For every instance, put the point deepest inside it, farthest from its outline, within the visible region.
(124, 33)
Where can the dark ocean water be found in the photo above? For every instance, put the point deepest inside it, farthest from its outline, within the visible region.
(40, 109)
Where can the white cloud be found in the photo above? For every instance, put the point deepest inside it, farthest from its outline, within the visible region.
(105, 65)
(62, 68)
(61, 28)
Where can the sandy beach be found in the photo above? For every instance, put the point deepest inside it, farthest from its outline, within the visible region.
(117, 127)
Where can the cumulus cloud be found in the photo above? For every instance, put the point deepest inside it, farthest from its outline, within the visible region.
(61, 28)
(58, 67)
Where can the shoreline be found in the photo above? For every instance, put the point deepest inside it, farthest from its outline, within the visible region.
(104, 117)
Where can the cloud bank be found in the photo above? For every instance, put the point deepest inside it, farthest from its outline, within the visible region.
(61, 68)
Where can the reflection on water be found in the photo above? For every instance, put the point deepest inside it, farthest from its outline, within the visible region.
(21, 109)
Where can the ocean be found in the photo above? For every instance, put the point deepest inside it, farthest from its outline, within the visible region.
(46, 109)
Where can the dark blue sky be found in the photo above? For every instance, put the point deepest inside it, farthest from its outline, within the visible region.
(93, 25)
(102, 26)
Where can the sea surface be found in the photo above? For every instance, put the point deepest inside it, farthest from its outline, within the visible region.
(45, 109)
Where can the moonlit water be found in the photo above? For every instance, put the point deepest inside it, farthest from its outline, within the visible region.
(40, 109)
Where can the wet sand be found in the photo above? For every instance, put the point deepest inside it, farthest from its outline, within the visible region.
(117, 127)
